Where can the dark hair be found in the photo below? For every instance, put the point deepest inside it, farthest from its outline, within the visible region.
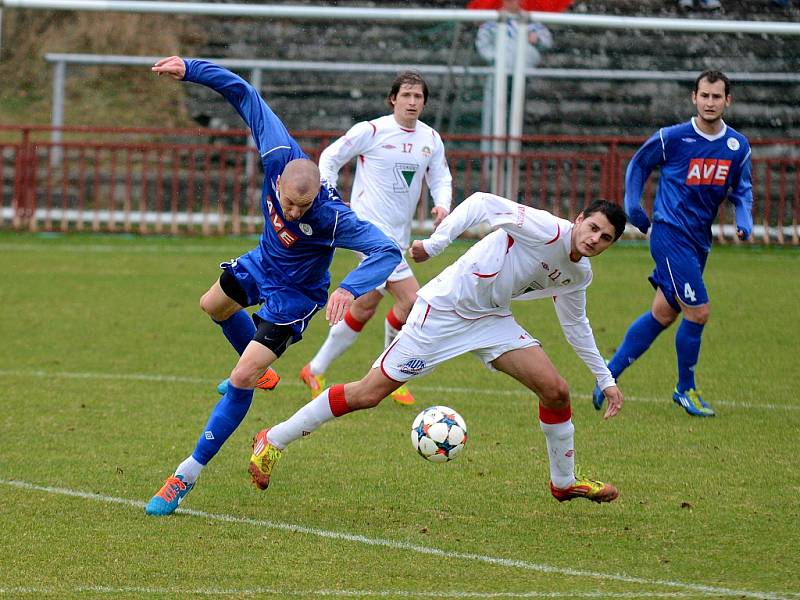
(407, 78)
(613, 212)
(713, 77)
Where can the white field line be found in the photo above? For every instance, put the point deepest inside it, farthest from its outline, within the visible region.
(156, 246)
(282, 593)
(433, 389)
(405, 546)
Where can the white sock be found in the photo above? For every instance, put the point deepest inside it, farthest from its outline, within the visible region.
(560, 451)
(309, 418)
(189, 470)
(340, 338)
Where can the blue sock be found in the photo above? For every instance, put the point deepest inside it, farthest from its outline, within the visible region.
(637, 339)
(239, 329)
(224, 420)
(687, 345)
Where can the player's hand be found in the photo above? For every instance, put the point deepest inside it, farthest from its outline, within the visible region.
(172, 66)
(417, 251)
(439, 214)
(639, 219)
(743, 225)
(338, 304)
(615, 400)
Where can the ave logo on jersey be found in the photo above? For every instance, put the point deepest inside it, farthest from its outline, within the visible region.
(286, 237)
(708, 171)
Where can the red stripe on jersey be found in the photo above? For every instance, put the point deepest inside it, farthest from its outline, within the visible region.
(374, 129)
(558, 235)
(484, 275)
(554, 416)
(510, 243)
(425, 318)
(383, 360)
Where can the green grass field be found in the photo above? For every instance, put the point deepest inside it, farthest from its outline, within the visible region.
(107, 375)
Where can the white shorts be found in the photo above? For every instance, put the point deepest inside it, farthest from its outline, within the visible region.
(431, 337)
(402, 271)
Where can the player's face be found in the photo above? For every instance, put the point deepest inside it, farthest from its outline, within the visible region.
(293, 205)
(710, 100)
(591, 235)
(408, 104)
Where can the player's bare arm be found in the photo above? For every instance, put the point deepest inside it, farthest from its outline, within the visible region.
(338, 304)
(417, 251)
(172, 66)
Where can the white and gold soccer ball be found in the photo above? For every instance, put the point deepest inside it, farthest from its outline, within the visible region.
(438, 433)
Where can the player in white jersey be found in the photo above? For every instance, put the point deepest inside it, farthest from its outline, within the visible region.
(531, 255)
(395, 153)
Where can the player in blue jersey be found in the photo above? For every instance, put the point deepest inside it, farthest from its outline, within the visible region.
(287, 274)
(703, 161)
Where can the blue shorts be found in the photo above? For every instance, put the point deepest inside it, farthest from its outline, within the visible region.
(679, 267)
(280, 304)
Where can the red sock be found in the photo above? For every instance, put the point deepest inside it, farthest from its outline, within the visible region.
(554, 416)
(337, 402)
(394, 321)
(352, 322)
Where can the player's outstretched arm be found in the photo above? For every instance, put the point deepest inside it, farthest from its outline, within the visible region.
(615, 400)
(172, 66)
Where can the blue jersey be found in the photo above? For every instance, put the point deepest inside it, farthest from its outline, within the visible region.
(698, 172)
(297, 254)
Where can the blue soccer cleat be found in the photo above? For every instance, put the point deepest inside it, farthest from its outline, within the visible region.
(692, 403)
(598, 397)
(168, 497)
(268, 381)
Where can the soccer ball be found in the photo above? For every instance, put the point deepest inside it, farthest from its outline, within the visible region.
(438, 434)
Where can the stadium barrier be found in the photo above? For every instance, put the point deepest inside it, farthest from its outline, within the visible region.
(208, 182)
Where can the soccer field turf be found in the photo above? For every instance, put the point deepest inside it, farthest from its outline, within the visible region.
(107, 374)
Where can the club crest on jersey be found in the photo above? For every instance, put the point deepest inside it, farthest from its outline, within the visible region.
(733, 144)
(426, 151)
(708, 171)
(306, 228)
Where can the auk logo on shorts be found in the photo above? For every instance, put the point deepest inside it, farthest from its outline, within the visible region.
(412, 367)
(708, 171)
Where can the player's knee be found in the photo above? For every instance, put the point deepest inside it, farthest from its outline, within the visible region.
(244, 376)
(556, 395)
(699, 314)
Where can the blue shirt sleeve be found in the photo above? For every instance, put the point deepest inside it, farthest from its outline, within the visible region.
(383, 255)
(741, 197)
(647, 157)
(267, 129)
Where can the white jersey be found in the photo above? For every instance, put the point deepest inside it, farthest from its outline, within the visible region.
(527, 258)
(392, 162)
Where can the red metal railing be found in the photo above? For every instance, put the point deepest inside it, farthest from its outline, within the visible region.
(209, 182)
